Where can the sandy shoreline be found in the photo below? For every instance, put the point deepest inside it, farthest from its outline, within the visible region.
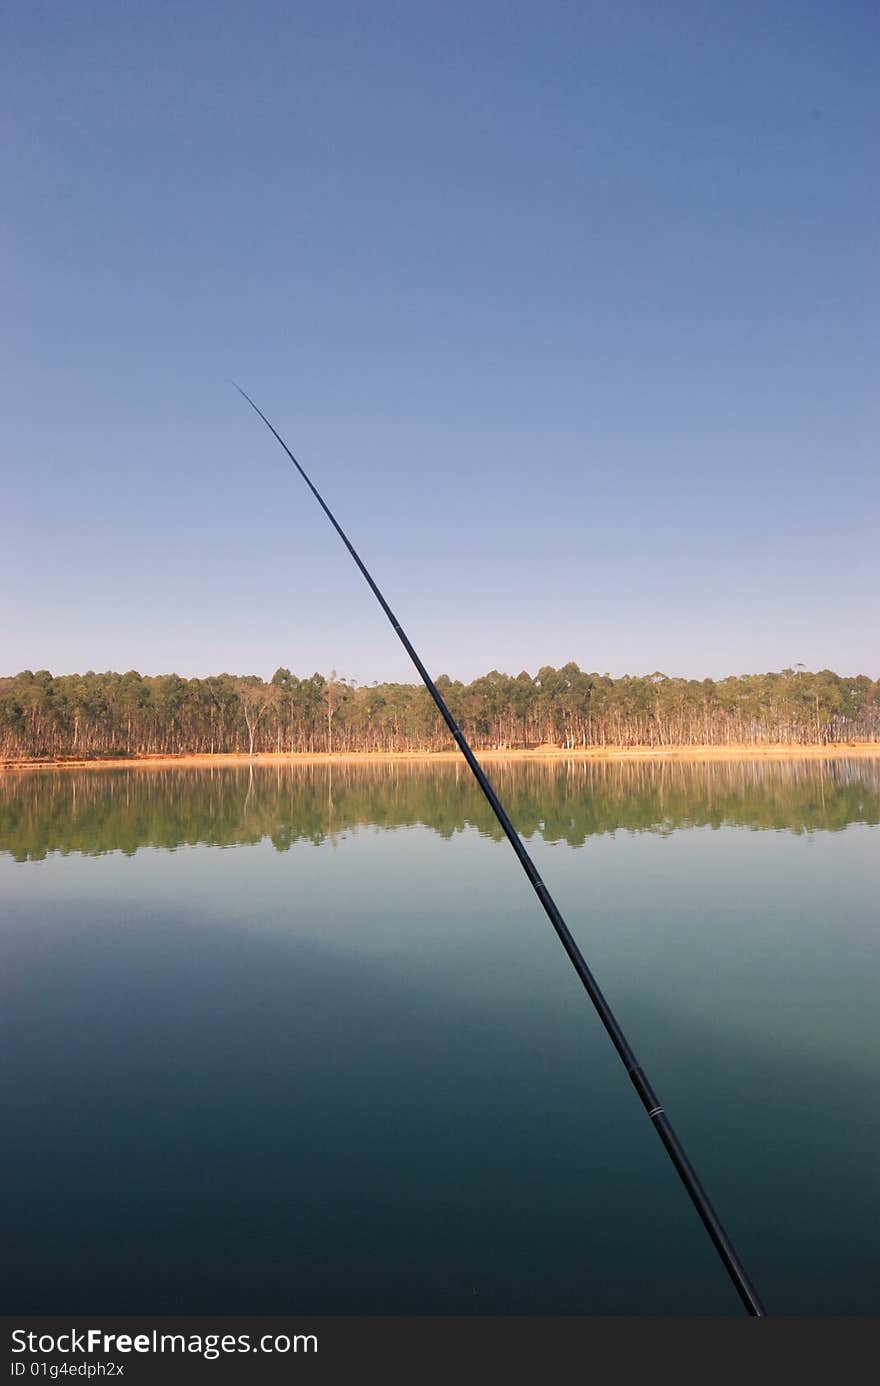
(543, 753)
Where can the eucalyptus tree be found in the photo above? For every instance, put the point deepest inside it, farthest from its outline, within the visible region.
(255, 699)
(111, 714)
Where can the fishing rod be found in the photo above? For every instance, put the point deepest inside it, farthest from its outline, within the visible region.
(651, 1103)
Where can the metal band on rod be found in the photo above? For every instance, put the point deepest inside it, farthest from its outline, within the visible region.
(660, 1121)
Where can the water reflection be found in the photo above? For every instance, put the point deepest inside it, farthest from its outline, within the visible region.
(93, 812)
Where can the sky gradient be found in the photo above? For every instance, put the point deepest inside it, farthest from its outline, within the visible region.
(571, 311)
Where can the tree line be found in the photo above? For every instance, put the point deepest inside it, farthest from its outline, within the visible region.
(111, 714)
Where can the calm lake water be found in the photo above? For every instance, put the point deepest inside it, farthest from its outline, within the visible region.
(303, 1041)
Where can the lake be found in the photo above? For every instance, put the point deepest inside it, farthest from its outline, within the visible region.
(301, 1039)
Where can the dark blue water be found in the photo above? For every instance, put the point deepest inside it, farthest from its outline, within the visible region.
(279, 1044)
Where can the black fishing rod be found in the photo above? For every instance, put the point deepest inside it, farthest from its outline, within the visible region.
(649, 1099)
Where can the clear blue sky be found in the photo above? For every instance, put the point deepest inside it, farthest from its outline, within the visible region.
(571, 309)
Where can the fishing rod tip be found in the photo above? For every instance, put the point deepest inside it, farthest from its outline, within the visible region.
(244, 394)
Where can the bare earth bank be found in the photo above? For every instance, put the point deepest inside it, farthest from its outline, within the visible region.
(205, 762)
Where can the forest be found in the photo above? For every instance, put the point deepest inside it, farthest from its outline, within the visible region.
(131, 715)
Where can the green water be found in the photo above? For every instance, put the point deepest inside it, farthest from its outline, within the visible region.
(302, 1040)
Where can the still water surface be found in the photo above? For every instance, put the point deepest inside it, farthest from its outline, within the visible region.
(302, 1040)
